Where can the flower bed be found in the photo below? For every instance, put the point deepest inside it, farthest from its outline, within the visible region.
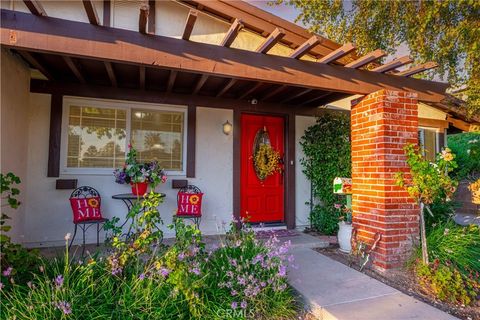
(242, 278)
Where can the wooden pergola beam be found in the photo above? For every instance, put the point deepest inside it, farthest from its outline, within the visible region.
(314, 99)
(274, 92)
(36, 64)
(151, 17)
(141, 77)
(201, 81)
(189, 24)
(227, 87)
(393, 64)
(75, 69)
(459, 124)
(338, 53)
(23, 31)
(366, 59)
(35, 7)
(111, 73)
(417, 69)
(297, 95)
(232, 33)
(250, 91)
(271, 40)
(91, 12)
(171, 80)
(143, 18)
(305, 47)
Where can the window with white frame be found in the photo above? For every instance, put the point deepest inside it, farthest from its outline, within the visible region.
(98, 133)
(431, 140)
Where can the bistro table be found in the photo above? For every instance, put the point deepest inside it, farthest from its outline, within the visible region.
(129, 200)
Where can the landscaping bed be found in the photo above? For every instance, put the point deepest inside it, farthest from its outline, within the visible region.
(405, 281)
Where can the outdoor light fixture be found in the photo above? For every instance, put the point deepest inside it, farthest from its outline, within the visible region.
(227, 128)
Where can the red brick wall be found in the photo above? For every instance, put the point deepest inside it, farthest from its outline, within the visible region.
(382, 123)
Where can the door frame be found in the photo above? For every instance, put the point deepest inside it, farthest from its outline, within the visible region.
(289, 183)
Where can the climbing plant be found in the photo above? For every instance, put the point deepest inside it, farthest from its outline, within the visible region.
(326, 148)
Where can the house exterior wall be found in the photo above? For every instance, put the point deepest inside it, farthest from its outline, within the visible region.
(15, 81)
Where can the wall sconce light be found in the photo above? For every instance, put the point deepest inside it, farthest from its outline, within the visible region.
(227, 128)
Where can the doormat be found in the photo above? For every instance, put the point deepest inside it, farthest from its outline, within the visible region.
(281, 233)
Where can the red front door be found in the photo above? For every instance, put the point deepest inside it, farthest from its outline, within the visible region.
(261, 201)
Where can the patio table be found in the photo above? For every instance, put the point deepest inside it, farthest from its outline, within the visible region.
(129, 200)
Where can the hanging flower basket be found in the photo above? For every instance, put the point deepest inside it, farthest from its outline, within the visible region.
(266, 160)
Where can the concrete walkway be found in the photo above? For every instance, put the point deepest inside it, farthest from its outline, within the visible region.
(334, 291)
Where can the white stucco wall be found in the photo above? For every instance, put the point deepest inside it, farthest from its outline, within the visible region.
(15, 83)
(48, 214)
(302, 184)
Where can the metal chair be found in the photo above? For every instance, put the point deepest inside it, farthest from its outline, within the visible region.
(86, 192)
(192, 190)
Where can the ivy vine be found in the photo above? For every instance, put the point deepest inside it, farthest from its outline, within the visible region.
(326, 148)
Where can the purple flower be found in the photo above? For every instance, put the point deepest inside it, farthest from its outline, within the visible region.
(141, 276)
(243, 305)
(263, 284)
(282, 270)
(234, 293)
(195, 271)
(164, 272)
(234, 305)
(58, 281)
(7, 271)
(181, 256)
(63, 306)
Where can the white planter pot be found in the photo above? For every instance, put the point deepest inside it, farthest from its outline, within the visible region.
(344, 235)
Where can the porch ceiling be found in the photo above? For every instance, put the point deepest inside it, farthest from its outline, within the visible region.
(80, 53)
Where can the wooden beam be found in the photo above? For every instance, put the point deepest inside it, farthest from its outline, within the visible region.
(35, 7)
(459, 124)
(232, 33)
(250, 91)
(151, 17)
(417, 69)
(141, 74)
(151, 96)
(271, 40)
(433, 123)
(366, 59)
(55, 135)
(91, 12)
(65, 37)
(305, 47)
(201, 81)
(274, 92)
(312, 100)
(74, 68)
(393, 64)
(143, 18)
(111, 73)
(36, 64)
(224, 90)
(107, 11)
(189, 24)
(171, 80)
(337, 54)
(297, 95)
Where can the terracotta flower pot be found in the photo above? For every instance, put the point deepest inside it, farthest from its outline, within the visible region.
(139, 188)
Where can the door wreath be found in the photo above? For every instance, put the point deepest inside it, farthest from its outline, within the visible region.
(266, 160)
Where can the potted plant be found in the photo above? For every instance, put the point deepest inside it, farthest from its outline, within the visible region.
(345, 227)
(139, 175)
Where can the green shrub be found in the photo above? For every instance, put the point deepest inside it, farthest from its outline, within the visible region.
(326, 146)
(467, 148)
(459, 245)
(442, 210)
(325, 219)
(447, 283)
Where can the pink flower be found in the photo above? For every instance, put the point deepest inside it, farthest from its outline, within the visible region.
(234, 305)
(7, 271)
(337, 206)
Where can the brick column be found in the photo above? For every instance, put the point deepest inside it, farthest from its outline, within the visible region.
(382, 123)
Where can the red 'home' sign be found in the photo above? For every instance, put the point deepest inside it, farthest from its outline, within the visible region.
(190, 204)
(85, 209)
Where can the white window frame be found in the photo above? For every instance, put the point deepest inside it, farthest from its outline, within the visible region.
(421, 137)
(117, 104)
